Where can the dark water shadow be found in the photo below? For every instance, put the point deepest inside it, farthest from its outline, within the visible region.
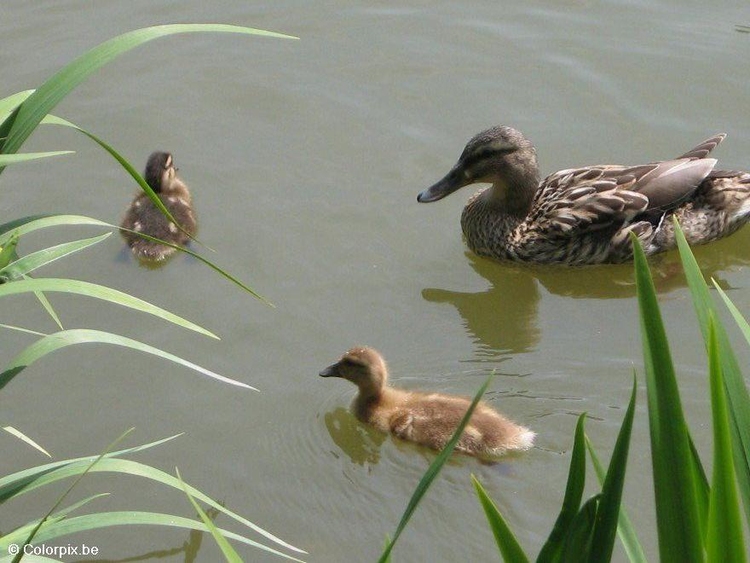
(360, 442)
(503, 318)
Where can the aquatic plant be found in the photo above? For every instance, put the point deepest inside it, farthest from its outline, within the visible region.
(696, 520)
(20, 114)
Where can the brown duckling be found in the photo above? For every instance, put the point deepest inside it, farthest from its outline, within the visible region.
(143, 216)
(429, 419)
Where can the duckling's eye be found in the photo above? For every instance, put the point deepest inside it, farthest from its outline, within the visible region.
(349, 362)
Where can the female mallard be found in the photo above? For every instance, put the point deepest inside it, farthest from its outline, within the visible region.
(143, 216)
(429, 419)
(585, 215)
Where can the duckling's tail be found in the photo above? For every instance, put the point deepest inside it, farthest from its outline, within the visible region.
(149, 251)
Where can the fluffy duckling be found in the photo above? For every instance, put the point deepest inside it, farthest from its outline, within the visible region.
(143, 216)
(429, 419)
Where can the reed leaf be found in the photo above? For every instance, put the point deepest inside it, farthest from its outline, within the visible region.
(608, 511)
(737, 393)
(10, 103)
(6, 159)
(226, 549)
(506, 541)
(577, 546)
(625, 530)
(62, 339)
(677, 514)
(26, 225)
(17, 127)
(88, 289)
(433, 470)
(25, 482)
(23, 437)
(32, 534)
(101, 520)
(724, 538)
(552, 549)
(17, 269)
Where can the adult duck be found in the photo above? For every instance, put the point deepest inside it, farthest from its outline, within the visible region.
(585, 215)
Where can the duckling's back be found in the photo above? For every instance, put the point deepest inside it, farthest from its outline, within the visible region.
(431, 419)
(144, 217)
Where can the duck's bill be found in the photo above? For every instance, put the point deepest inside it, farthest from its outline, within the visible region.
(453, 181)
(330, 371)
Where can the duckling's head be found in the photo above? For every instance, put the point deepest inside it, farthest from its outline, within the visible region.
(364, 367)
(501, 156)
(160, 171)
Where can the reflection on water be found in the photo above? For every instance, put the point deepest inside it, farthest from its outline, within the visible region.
(503, 318)
(358, 441)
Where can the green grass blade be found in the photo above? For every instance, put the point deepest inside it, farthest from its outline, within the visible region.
(32, 534)
(578, 542)
(552, 549)
(48, 95)
(21, 436)
(88, 289)
(10, 485)
(10, 103)
(62, 339)
(19, 534)
(608, 512)
(48, 307)
(97, 521)
(27, 225)
(30, 480)
(724, 538)
(6, 159)
(625, 530)
(229, 553)
(24, 330)
(506, 542)
(737, 393)
(31, 262)
(433, 470)
(8, 250)
(677, 515)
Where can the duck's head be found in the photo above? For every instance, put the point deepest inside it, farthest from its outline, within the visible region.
(363, 366)
(501, 156)
(160, 171)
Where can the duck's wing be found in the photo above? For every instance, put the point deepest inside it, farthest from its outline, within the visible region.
(705, 148)
(599, 197)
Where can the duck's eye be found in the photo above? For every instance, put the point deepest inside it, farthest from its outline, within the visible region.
(349, 362)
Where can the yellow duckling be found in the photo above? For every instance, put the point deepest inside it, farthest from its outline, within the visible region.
(143, 216)
(429, 419)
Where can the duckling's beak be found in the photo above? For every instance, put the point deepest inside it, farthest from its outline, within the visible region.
(454, 180)
(330, 371)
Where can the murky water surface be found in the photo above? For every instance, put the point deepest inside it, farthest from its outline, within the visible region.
(305, 158)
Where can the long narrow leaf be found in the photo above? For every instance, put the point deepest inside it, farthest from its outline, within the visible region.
(433, 470)
(40, 258)
(552, 549)
(737, 393)
(229, 553)
(724, 538)
(608, 512)
(99, 292)
(26, 225)
(578, 542)
(101, 520)
(6, 159)
(32, 534)
(49, 94)
(25, 482)
(677, 517)
(625, 529)
(504, 537)
(21, 436)
(10, 103)
(65, 338)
